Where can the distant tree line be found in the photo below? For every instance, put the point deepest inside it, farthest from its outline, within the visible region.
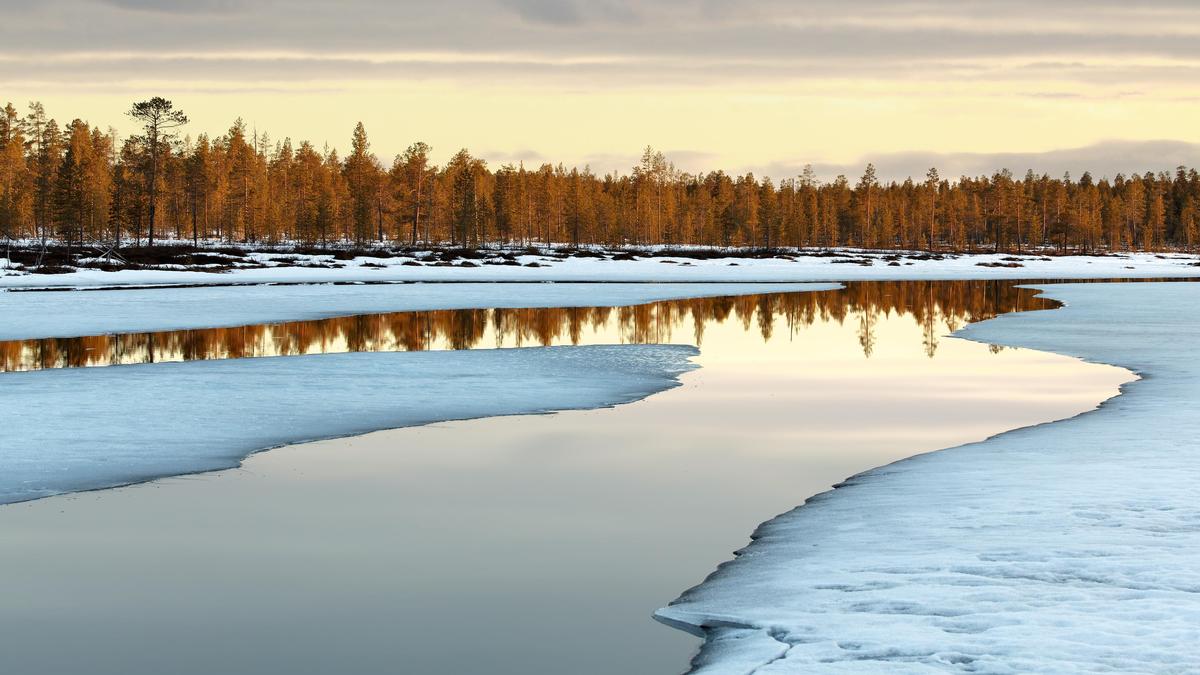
(79, 184)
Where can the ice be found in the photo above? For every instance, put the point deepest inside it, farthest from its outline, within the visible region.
(71, 314)
(71, 430)
(89, 428)
(1069, 547)
(833, 265)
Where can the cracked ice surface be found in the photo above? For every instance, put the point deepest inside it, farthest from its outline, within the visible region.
(1062, 548)
(89, 428)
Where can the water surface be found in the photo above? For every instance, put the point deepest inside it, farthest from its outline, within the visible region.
(938, 307)
(507, 545)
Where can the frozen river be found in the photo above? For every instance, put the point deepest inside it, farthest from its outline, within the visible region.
(514, 544)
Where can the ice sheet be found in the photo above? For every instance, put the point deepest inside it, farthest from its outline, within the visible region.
(1064, 548)
(90, 428)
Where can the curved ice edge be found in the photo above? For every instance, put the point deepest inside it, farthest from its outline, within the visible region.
(733, 644)
(219, 433)
(80, 313)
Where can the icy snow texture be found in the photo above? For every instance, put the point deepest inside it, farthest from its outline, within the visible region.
(88, 428)
(807, 268)
(73, 314)
(1062, 548)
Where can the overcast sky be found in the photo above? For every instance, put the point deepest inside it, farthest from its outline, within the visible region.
(763, 85)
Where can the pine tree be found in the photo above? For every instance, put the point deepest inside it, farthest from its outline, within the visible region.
(1188, 217)
(199, 166)
(363, 184)
(865, 192)
(158, 118)
(1155, 219)
(15, 198)
(45, 159)
(410, 176)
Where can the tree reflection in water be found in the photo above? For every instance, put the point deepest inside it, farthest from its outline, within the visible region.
(939, 307)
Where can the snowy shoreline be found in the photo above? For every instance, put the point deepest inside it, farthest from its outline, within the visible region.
(1065, 547)
(798, 266)
(210, 415)
(134, 310)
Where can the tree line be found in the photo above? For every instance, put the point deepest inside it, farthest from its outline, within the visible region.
(79, 184)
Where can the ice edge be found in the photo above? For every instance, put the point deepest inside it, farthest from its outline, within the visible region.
(768, 644)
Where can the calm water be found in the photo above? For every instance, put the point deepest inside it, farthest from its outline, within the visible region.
(937, 306)
(506, 545)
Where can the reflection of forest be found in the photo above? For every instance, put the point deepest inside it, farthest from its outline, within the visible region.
(936, 306)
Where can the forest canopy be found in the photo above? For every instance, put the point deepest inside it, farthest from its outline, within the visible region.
(80, 184)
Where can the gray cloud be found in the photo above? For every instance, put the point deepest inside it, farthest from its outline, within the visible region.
(1066, 53)
(575, 12)
(498, 158)
(174, 6)
(583, 72)
(1105, 159)
(554, 12)
(772, 30)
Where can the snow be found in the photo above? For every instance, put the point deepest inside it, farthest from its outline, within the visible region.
(1063, 548)
(90, 428)
(39, 315)
(839, 265)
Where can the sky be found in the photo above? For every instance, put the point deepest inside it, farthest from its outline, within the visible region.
(971, 86)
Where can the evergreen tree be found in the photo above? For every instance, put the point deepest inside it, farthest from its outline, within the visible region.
(159, 119)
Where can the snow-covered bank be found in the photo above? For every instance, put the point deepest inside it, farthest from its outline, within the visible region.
(1067, 547)
(80, 429)
(847, 265)
(40, 315)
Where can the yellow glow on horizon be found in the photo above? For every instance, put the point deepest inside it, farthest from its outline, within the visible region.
(742, 127)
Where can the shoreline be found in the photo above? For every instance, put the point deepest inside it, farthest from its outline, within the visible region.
(492, 266)
(616, 374)
(744, 629)
(134, 310)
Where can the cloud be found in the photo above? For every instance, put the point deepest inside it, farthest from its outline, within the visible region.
(554, 12)
(591, 71)
(498, 158)
(574, 12)
(174, 6)
(1104, 159)
(869, 31)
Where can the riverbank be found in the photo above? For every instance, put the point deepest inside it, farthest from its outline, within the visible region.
(228, 266)
(1067, 547)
